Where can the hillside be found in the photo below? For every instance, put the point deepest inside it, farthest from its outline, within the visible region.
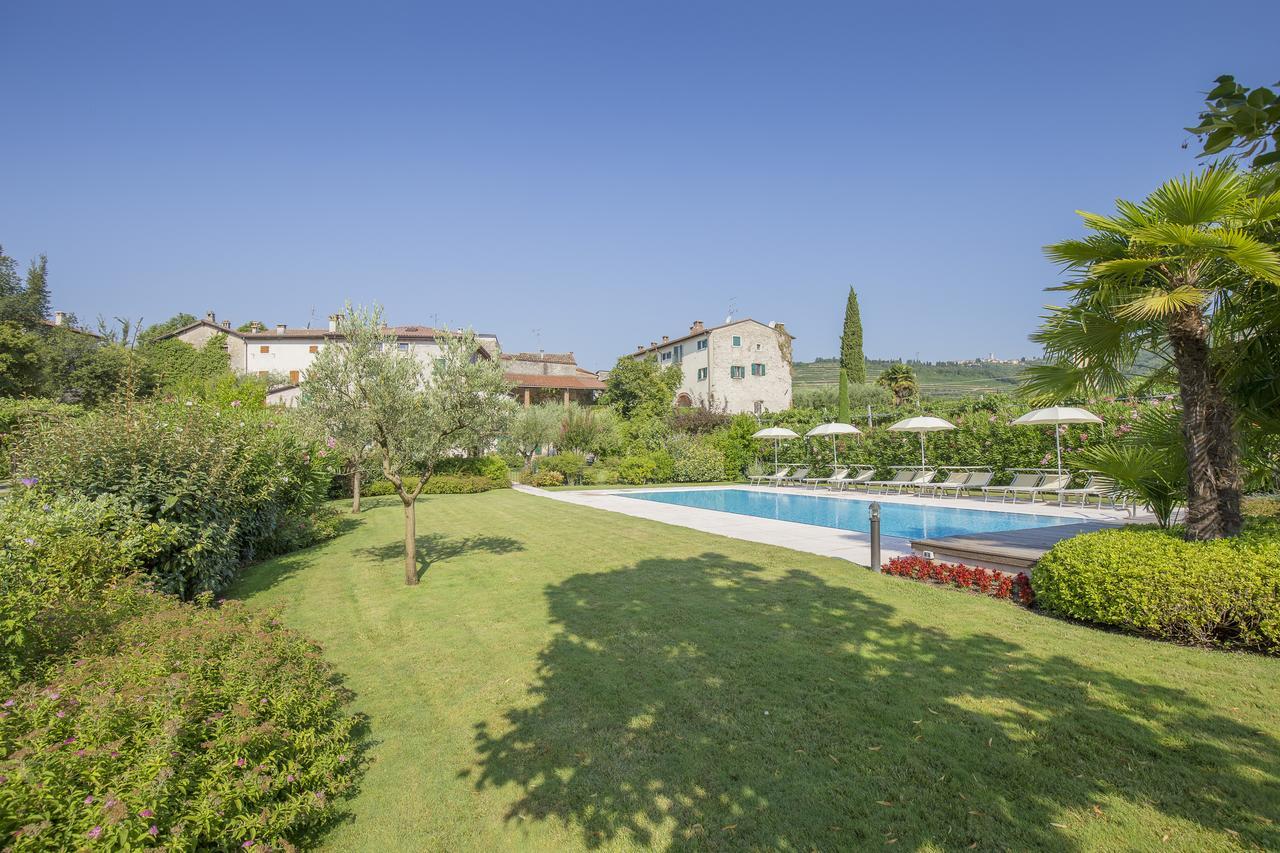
(941, 379)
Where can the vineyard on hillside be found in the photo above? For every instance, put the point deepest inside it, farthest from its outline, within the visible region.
(945, 379)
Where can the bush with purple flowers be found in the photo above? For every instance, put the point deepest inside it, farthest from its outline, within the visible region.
(182, 725)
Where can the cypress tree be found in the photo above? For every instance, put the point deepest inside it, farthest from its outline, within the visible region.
(852, 360)
(842, 405)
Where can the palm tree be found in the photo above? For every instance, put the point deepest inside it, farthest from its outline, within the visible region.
(901, 380)
(1164, 277)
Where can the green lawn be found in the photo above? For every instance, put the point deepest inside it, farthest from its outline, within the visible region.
(568, 678)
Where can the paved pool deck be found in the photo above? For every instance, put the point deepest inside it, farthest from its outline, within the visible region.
(813, 539)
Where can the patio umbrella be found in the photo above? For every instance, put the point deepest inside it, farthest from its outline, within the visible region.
(922, 425)
(1057, 415)
(777, 434)
(833, 430)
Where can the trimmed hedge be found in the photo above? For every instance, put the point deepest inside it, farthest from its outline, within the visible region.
(461, 476)
(1224, 592)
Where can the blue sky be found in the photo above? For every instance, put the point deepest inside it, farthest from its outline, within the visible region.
(605, 173)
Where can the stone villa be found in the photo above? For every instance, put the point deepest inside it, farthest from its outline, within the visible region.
(740, 366)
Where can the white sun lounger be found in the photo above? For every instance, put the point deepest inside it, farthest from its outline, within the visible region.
(836, 475)
(1091, 489)
(1051, 484)
(1021, 482)
(975, 480)
(861, 478)
(955, 478)
(899, 479)
(798, 477)
(770, 478)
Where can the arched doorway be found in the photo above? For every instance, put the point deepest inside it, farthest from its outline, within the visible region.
(684, 401)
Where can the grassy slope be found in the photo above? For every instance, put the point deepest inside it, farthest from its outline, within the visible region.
(568, 678)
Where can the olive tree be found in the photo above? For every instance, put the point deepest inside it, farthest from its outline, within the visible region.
(534, 427)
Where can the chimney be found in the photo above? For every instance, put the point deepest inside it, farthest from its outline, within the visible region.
(210, 318)
(653, 344)
(334, 321)
(666, 338)
(639, 347)
(226, 324)
(280, 327)
(696, 327)
(59, 318)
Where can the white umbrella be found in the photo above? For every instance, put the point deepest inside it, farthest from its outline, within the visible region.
(833, 429)
(922, 425)
(1057, 415)
(777, 434)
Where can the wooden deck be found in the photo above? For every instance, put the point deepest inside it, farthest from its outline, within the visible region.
(1012, 548)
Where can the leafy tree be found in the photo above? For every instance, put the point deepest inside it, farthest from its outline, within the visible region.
(842, 402)
(252, 326)
(1165, 276)
(154, 332)
(24, 302)
(582, 429)
(852, 359)
(417, 421)
(183, 369)
(901, 380)
(638, 387)
(1246, 121)
(533, 428)
(20, 362)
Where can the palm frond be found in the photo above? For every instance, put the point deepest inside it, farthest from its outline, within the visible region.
(1200, 198)
(1087, 251)
(1158, 304)
(1131, 267)
(1251, 255)
(1176, 236)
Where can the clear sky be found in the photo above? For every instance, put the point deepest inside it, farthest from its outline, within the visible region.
(605, 173)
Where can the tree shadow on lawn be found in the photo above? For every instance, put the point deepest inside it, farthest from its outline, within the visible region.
(781, 712)
(436, 547)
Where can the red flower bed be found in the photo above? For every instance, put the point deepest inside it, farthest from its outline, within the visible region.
(974, 578)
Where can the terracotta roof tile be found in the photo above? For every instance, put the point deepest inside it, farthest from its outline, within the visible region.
(588, 382)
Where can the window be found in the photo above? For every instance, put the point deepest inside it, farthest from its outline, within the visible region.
(313, 348)
(759, 407)
(677, 352)
(702, 344)
(293, 376)
(402, 346)
(737, 340)
(757, 369)
(737, 372)
(666, 356)
(263, 373)
(702, 373)
(264, 348)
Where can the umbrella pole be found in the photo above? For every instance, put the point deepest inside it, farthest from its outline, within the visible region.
(922, 464)
(1057, 441)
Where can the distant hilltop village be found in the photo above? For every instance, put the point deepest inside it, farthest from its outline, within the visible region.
(739, 366)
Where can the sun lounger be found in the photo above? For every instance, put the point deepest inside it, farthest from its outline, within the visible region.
(1051, 484)
(914, 477)
(861, 478)
(798, 477)
(975, 480)
(770, 478)
(899, 479)
(837, 474)
(955, 478)
(1092, 489)
(1021, 482)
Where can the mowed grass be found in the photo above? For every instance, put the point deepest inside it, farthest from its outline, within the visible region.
(566, 678)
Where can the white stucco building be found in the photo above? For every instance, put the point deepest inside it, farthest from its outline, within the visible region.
(741, 366)
(287, 353)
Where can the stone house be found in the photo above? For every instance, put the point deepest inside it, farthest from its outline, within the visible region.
(550, 376)
(740, 366)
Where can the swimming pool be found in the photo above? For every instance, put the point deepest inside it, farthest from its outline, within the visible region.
(908, 520)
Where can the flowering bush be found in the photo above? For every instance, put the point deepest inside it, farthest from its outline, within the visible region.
(975, 578)
(230, 485)
(56, 555)
(542, 479)
(181, 725)
(695, 460)
(570, 465)
(1221, 592)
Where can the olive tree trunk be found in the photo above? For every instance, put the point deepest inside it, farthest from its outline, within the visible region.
(410, 539)
(1208, 433)
(355, 491)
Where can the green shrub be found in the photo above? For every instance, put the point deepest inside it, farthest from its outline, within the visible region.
(492, 467)
(233, 485)
(184, 726)
(571, 465)
(1222, 592)
(56, 555)
(542, 479)
(664, 467)
(695, 460)
(636, 470)
(458, 484)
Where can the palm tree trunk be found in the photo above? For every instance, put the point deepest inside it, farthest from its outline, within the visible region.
(1208, 433)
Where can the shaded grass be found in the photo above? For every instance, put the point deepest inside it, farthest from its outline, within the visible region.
(568, 678)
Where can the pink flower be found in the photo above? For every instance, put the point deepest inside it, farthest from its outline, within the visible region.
(88, 800)
(240, 762)
(95, 832)
(146, 813)
(153, 830)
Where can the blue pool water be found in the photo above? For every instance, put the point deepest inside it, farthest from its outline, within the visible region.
(908, 520)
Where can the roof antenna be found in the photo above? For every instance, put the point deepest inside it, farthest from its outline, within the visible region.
(733, 309)
(537, 333)
(313, 317)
